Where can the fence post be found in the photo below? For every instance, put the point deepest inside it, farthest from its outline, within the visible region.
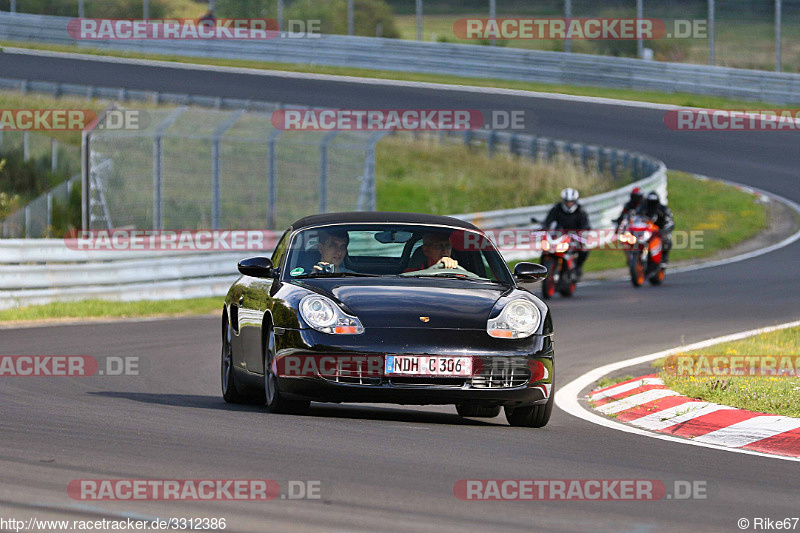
(323, 171)
(27, 221)
(272, 186)
(419, 19)
(639, 41)
(778, 9)
(26, 148)
(490, 143)
(216, 137)
(158, 185)
(493, 16)
(568, 15)
(534, 148)
(711, 43)
(49, 213)
(53, 155)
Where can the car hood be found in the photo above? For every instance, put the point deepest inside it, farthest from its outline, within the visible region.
(405, 303)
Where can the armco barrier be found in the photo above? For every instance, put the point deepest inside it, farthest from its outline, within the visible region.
(444, 58)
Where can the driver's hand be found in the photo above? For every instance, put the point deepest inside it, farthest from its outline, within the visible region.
(320, 267)
(448, 262)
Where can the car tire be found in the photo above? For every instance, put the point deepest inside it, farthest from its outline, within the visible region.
(534, 416)
(230, 392)
(275, 401)
(477, 411)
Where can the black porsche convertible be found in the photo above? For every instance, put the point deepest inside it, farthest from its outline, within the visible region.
(392, 308)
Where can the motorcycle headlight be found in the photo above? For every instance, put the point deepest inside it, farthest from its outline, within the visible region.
(545, 245)
(323, 315)
(518, 319)
(562, 247)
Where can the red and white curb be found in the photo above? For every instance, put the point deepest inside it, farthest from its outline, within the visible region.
(647, 403)
(685, 421)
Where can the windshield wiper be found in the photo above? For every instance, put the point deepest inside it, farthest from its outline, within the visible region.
(335, 275)
(451, 276)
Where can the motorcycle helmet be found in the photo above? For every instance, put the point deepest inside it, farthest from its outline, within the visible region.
(636, 197)
(651, 203)
(569, 200)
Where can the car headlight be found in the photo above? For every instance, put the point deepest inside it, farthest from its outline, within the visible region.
(323, 315)
(518, 319)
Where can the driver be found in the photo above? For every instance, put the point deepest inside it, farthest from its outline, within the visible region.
(332, 250)
(436, 248)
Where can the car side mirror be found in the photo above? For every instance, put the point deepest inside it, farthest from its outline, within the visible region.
(530, 272)
(257, 267)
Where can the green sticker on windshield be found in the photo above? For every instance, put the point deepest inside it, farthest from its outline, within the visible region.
(297, 271)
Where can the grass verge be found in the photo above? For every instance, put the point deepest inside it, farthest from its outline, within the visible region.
(605, 382)
(428, 176)
(111, 309)
(679, 99)
(765, 394)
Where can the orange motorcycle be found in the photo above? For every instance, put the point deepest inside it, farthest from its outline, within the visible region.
(641, 240)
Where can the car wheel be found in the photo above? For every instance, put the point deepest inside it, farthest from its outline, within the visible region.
(477, 411)
(534, 416)
(229, 391)
(275, 401)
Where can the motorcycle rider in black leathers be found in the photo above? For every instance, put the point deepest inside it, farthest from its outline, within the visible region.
(661, 216)
(569, 215)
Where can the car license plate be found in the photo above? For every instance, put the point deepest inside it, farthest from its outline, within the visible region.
(422, 365)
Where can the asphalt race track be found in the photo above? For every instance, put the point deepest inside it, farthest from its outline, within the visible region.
(389, 468)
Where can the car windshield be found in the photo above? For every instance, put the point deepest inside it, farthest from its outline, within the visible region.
(406, 250)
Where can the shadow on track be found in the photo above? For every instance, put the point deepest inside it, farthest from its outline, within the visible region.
(318, 410)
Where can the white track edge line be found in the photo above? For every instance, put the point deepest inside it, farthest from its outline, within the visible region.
(567, 397)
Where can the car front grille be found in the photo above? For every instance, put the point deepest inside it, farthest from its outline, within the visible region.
(502, 375)
(506, 378)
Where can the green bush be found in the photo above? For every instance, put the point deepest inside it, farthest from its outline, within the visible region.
(246, 8)
(28, 179)
(66, 216)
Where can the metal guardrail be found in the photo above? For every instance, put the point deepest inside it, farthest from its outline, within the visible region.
(444, 58)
